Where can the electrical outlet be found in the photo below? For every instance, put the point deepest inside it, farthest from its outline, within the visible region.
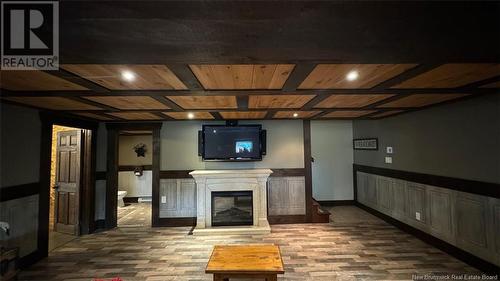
(388, 149)
(388, 160)
(417, 216)
(164, 199)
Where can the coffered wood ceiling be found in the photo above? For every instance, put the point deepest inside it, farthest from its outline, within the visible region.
(263, 60)
(242, 76)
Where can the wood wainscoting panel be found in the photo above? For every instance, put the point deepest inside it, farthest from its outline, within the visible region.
(180, 196)
(286, 196)
(339, 101)
(471, 221)
(278, 101)
(205, 102)
(385, 194)
(35, 80)
(420, 100)
(440, 212)
(54, 103)
(129, 102)
(242, 76)
(333, 76)
(147, 76)
(452, 75)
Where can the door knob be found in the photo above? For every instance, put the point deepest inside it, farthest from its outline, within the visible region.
(55, 187)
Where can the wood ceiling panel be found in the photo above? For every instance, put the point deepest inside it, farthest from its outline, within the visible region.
(300, 114)
(492, 85)
(54, 103)
(386, 113)
(339, 101)
(333, 76)
(348, 114)
(185, 115)
(205, 102)
(419, 100)
(147, 76)
(278, 101)
(135, 115)
(35, 80)
(94, 116)
(129, 102)
(243, 114)
(452, 75)
(242, 76)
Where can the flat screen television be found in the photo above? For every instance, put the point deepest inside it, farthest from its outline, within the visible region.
(232, 143)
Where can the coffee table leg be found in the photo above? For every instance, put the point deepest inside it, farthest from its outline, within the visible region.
(272, 277)
(220, 277)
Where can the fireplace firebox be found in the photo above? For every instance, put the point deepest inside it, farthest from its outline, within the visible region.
(230, 208)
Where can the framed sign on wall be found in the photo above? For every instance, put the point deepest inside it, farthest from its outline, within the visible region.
(365, 144)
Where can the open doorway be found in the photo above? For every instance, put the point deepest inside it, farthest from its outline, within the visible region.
(135, 159)
(65, 185)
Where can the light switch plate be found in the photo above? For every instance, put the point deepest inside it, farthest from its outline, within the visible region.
(388, 160)
(164, 199)
(389, 149)
(417, 216)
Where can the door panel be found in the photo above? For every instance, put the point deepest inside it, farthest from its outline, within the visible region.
(67, 182)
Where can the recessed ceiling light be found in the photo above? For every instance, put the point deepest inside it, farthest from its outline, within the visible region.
(190, 115)
(295, 114)
(351, 76)
(128, 76)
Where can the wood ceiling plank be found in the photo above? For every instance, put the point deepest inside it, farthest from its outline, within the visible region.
(35, 80)
(242, 76)
(54, 103)
(333, 76)
(419, 100)
(128, 102)
(185, 115)
(147, 76)
(452, 75)
(205, 102)
(348, 113)
(492, 85)
(94, 116)
(243, 114)
(135, 115)
(339, 101)
(386, 113)
(300, 114)
(278, 101)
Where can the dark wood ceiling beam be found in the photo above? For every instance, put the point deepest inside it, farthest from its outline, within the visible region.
(184, 73)
(299, 74)
(410, 73)
(251, 109)
(484, 82)
(66, 75)
(93, 103)
(163, 116)
(216, 115)
(317, 99)
(270, 114)
(250, 92)
(172, 105)
(242, 102)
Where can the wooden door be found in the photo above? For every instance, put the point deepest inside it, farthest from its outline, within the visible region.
(67, 186)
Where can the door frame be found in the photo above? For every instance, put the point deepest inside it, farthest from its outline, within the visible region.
(87, 186)
(112, 170)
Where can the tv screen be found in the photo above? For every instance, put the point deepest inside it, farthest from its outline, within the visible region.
(232, 143)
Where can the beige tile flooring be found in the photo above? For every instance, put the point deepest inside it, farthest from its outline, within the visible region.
(57, 239)
(134, 215)
(355, 246)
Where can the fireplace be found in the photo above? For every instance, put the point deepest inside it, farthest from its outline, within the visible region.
(230, 208)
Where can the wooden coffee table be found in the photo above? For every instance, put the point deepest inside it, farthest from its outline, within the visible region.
(245, 261)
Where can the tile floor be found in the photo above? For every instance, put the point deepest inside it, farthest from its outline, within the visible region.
(135, 215)
(354, 246)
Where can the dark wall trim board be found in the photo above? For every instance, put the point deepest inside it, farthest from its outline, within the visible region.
(308, 169)
(100, 176)
(130, 200)
(329, 203)
(287, 219)
(30, 259)
(291, 172)
(100, 224)
(470, 186)
(19, 191)
(436, 242)
(173, 222)
(131, 168)
(176, 174)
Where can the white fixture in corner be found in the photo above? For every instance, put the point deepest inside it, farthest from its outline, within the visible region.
(208, 181)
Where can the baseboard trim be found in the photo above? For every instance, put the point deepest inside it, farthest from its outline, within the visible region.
(173, 222)
(131, 199)
(331, 203)
(30, 259)
(444, 246)
(287, 219)
(100, 224)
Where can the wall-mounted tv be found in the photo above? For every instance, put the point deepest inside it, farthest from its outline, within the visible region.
(232, 143)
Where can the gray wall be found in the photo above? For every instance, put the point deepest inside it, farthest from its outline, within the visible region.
(127, 155)
(20, 137)
(461, 140)
(179, 146)
(331, 148)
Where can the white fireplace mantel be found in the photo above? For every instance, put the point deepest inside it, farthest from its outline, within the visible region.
(208, 181)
